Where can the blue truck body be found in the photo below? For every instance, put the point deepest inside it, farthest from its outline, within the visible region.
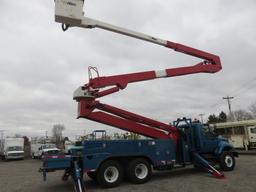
(158, 152)
(195, 146)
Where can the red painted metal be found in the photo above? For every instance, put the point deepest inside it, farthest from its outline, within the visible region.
(125, 120)
(106, 114)
(56, 156)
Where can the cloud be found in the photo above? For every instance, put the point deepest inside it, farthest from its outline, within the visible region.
(41, 66)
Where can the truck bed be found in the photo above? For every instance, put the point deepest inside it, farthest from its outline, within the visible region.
(159, 152)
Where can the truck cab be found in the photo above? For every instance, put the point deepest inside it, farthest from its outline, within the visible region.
(12, 148)
(201, 139)
(252, 136)
(39, 150)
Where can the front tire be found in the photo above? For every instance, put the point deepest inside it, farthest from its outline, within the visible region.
(109, 174)
(227, 161)
(139, 171)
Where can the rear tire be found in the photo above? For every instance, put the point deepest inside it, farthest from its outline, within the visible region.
(109, 174)
(139, 171)
(227, 161)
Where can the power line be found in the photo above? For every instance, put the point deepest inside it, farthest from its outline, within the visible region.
(246, 86)
(243, 86)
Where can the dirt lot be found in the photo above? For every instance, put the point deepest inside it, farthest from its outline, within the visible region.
(22, 176)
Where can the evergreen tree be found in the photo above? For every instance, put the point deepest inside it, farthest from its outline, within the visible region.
(222, 117)
(212, 119)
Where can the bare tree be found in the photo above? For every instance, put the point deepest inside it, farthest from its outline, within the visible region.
(57, 132)
(242, 115)
(252, 109)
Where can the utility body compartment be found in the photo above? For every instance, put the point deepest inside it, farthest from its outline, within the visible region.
(159, 152)
(56, 162)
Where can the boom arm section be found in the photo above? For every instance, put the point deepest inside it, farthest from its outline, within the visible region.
(125, 120)
(118, 82)
(70, 14)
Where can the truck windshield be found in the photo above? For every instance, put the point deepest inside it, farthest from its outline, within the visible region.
(253, 130)
(14, 148)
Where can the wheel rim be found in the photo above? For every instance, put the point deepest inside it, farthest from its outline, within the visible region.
(111, 174)
(141, 171)
(229, 161)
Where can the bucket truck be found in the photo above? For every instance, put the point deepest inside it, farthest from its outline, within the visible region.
(171, 145)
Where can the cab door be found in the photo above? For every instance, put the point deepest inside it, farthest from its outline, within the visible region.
(209, 140)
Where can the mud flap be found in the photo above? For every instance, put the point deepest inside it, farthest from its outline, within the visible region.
(201, 162)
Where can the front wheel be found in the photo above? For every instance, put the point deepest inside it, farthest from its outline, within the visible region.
(227, 161)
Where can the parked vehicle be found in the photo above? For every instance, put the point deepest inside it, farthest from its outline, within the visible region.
(39, 150)
(242, 134)
(68, 145)
(12, 148)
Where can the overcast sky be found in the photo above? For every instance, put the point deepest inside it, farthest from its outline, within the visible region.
(41, 66)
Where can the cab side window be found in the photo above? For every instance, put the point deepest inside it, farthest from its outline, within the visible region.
(253, 130)
(208, 131)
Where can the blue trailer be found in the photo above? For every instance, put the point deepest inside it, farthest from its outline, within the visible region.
(109, 161)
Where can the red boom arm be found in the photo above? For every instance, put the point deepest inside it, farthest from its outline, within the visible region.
(86, 95)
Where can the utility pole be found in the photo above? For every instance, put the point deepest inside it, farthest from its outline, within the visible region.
(228, 98)
(201, 116)
(2, 138)
(2, 134)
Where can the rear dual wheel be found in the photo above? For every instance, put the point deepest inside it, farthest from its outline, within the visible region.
(139, 171)
(109, 174)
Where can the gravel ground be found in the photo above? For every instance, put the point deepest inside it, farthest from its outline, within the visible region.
(22, 176)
